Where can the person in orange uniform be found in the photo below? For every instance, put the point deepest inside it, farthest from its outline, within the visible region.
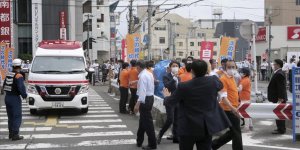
(133, 79)
(124, 85)
(245, 93)
(187, 76)
(229, 103)
(182, 70)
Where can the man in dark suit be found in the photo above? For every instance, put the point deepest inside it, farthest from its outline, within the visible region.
(171, 81)
(277, 92)
(199, 113)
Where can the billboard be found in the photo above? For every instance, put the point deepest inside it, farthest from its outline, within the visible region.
(296, 102)
(293, 33)
(261, 35)
(133, 46)
(206, 51)
(228, 46)
(5, 24)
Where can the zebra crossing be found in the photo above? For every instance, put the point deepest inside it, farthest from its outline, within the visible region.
(101, 126)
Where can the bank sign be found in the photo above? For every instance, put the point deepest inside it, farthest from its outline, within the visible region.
(5, 26)
(261, 35)
(293, 33)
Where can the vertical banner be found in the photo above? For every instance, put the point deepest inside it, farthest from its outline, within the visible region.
(63, 25)
(206, 51)
(37, 23)
(5, 22)
(227, 50)
(6, 58)
(123, 55)
(296, 102)
(133, 46)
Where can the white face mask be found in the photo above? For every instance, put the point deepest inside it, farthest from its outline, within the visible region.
(230, 72)
(175, 70)
(242, 74)
(189, 62)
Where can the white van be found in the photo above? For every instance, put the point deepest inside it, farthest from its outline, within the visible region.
(57, 78)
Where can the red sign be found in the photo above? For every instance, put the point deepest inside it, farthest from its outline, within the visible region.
(5, 27)
(63, 25)
(123, 49)
(293, 33)
(206, 52)
(63, 19)
(261, 35)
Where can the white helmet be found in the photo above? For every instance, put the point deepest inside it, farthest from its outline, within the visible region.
(17, 62)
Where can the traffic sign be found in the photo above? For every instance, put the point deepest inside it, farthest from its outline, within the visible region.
(246, 30)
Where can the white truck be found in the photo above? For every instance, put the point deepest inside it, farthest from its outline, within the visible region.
(57, 78)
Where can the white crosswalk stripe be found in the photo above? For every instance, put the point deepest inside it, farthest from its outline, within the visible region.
(101, 126)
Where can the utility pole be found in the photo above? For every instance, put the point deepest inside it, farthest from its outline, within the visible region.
(88, 37)
(149, 28)
(269, 49)
(130, 18)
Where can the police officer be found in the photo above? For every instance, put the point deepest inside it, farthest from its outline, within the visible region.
(14, 87)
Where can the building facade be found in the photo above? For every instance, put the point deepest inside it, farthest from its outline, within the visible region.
(36, 20)
(282, 12)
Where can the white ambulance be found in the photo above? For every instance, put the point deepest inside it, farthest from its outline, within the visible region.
(57, 78)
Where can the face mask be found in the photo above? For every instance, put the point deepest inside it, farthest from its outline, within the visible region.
(242, 74)
(230, 72)
(175, 70)
(189, 62)
(273, 68)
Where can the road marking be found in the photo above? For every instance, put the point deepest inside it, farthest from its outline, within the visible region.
(89, 121)
(101, 111)
(100, 100)
(89, 116)
(2, 109)
(100, 108)
(52, 122)
(24, 118)
(272, 147)
(30, 129)
(116, 99)
(81, 144)
(74, 135)
(23, 106)
(5, 114)
(99, 105)
(104, 127)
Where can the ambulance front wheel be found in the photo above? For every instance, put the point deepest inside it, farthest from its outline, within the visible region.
(84, 110)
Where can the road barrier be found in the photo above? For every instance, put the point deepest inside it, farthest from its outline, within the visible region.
(246, 110)
(266, 111)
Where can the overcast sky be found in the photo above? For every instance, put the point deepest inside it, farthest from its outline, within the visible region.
(240, 9)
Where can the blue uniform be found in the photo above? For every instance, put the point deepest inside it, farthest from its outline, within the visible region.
(14, 87)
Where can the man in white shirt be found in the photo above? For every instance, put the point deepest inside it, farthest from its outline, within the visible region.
(144, 105)
(263, 69)
(292, 64)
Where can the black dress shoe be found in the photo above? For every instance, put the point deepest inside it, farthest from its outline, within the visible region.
(278, 132)
(148, 147)
(170, 137)
(175, 140)
(138, 145)
(158, 139)
(17, 137)
(10, 136)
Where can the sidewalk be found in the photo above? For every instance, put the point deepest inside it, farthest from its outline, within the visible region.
(263, 87)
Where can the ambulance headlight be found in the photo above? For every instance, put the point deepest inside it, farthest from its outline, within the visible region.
(84, 89)
(31, 89)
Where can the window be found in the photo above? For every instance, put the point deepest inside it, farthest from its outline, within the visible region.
(198, 53)
(199, 43)
(98, 26)
(180, 53)
(160, 28)
(297, 2)
(215, 53)
(297, 20)
(162, 40)
(100, 2)
(98, 7)
(215, 43)
(101, 19)
(180, 44)
(191, 43)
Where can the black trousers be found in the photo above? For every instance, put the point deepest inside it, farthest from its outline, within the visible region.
(146, 123)
(202, 142)
(280, 125)
(170, 111)
(133, 99)
(123, 99)
(263, 74)
(233, 134)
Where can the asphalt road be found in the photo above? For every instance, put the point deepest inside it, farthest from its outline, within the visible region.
(104, 128)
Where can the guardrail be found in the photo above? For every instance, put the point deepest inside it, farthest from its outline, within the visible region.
(158, 102)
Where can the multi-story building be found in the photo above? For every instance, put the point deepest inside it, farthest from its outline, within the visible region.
(174, 33)
(282, 12)
(36, 20)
